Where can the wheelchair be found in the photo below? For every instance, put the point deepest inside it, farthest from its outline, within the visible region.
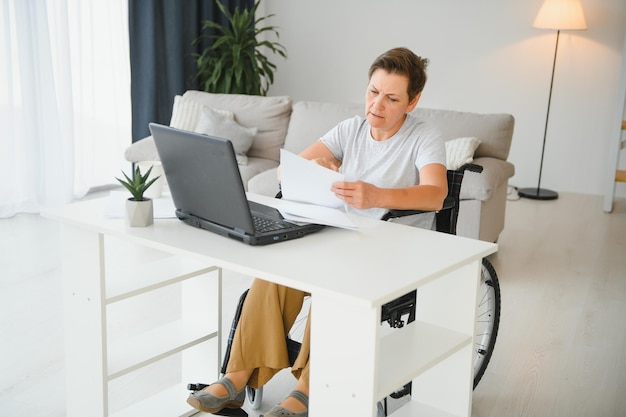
(401, 311)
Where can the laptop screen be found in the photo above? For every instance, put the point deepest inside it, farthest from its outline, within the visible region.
(203, 177)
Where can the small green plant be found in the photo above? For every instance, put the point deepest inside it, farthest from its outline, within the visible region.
(138, 184)
(234, 63)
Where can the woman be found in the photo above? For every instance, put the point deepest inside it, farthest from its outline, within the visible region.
(391, 159)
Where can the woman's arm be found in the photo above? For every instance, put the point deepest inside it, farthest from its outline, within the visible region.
(429, 195)
(319, 153)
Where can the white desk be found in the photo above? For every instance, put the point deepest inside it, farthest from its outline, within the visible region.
(355, 360)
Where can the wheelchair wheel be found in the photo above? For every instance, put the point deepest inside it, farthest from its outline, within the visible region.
(255, 397)
(487, 319)
(296, 333)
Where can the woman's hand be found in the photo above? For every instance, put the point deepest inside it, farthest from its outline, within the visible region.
(326, 163)
(358, 194)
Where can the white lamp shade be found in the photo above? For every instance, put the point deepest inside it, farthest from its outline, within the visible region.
(561, 15)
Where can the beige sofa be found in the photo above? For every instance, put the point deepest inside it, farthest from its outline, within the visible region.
(277, 122)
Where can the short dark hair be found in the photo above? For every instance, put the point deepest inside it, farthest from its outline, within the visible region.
(404, 62)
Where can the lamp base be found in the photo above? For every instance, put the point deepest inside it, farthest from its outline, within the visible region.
(538, 193)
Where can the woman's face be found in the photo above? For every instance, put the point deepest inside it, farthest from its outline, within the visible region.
(387, 102)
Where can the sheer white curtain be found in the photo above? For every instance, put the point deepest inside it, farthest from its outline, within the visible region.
(65, 116)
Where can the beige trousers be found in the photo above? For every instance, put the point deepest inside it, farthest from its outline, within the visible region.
(268, 313)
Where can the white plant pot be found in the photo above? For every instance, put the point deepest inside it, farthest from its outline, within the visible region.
(139, 213)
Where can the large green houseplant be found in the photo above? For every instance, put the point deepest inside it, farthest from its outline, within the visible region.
(235, 62)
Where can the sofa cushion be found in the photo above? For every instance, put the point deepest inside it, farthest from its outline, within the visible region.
(213, 123)
(270, 115)
(311, 120)
(495, 131)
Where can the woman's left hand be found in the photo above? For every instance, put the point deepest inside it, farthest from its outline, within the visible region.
(358, 194)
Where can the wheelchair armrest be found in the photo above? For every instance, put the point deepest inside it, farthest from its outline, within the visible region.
(448, 203)
(471, 168)
(391, 214)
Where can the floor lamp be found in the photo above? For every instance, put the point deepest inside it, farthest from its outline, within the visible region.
(559, 15)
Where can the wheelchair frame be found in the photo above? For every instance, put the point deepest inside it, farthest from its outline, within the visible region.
(402, 311)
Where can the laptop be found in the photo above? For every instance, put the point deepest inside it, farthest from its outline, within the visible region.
(208, 193)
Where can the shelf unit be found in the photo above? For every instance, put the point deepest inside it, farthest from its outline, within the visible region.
(435, 351)
(152, 308)
(439, 344)
(442, 343)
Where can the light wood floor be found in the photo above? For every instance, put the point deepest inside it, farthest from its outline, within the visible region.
(561, 349)
(562, 344)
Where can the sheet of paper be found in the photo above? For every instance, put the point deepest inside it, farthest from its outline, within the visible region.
(309, 213)
(300, 213)
(307, 182)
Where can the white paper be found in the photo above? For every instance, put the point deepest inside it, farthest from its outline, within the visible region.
(309, 213)
(307, 193)
(307, 182)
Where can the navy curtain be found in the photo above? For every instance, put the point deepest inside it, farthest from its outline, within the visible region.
(161, 33)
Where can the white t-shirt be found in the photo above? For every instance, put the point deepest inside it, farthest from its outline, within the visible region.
(392, 163)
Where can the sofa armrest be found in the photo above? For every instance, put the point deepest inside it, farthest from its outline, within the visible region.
(255, 168)
(142, 150)
(481, 186)
(266, 183)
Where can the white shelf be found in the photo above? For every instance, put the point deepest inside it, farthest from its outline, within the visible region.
(426, 344)
(130, 279)
(168, 403)
(139, 279)
(145, 348)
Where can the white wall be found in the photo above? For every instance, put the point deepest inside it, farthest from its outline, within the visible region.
(485, 57)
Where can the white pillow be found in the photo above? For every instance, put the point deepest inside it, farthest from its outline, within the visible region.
(460, 151)
(186, 113)
(213, 123)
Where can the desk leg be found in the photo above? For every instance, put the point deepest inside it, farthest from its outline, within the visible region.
(85, 322)
(343, 358)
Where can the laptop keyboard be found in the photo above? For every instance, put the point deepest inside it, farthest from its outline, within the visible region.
(265, 225)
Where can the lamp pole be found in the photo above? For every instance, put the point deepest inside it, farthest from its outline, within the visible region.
(559, 15)
(539, 193)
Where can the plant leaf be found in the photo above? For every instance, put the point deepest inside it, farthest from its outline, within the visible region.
(137, 185)
(234, 62)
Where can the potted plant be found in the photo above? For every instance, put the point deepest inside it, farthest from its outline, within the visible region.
(234, 63)
(139, 210)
